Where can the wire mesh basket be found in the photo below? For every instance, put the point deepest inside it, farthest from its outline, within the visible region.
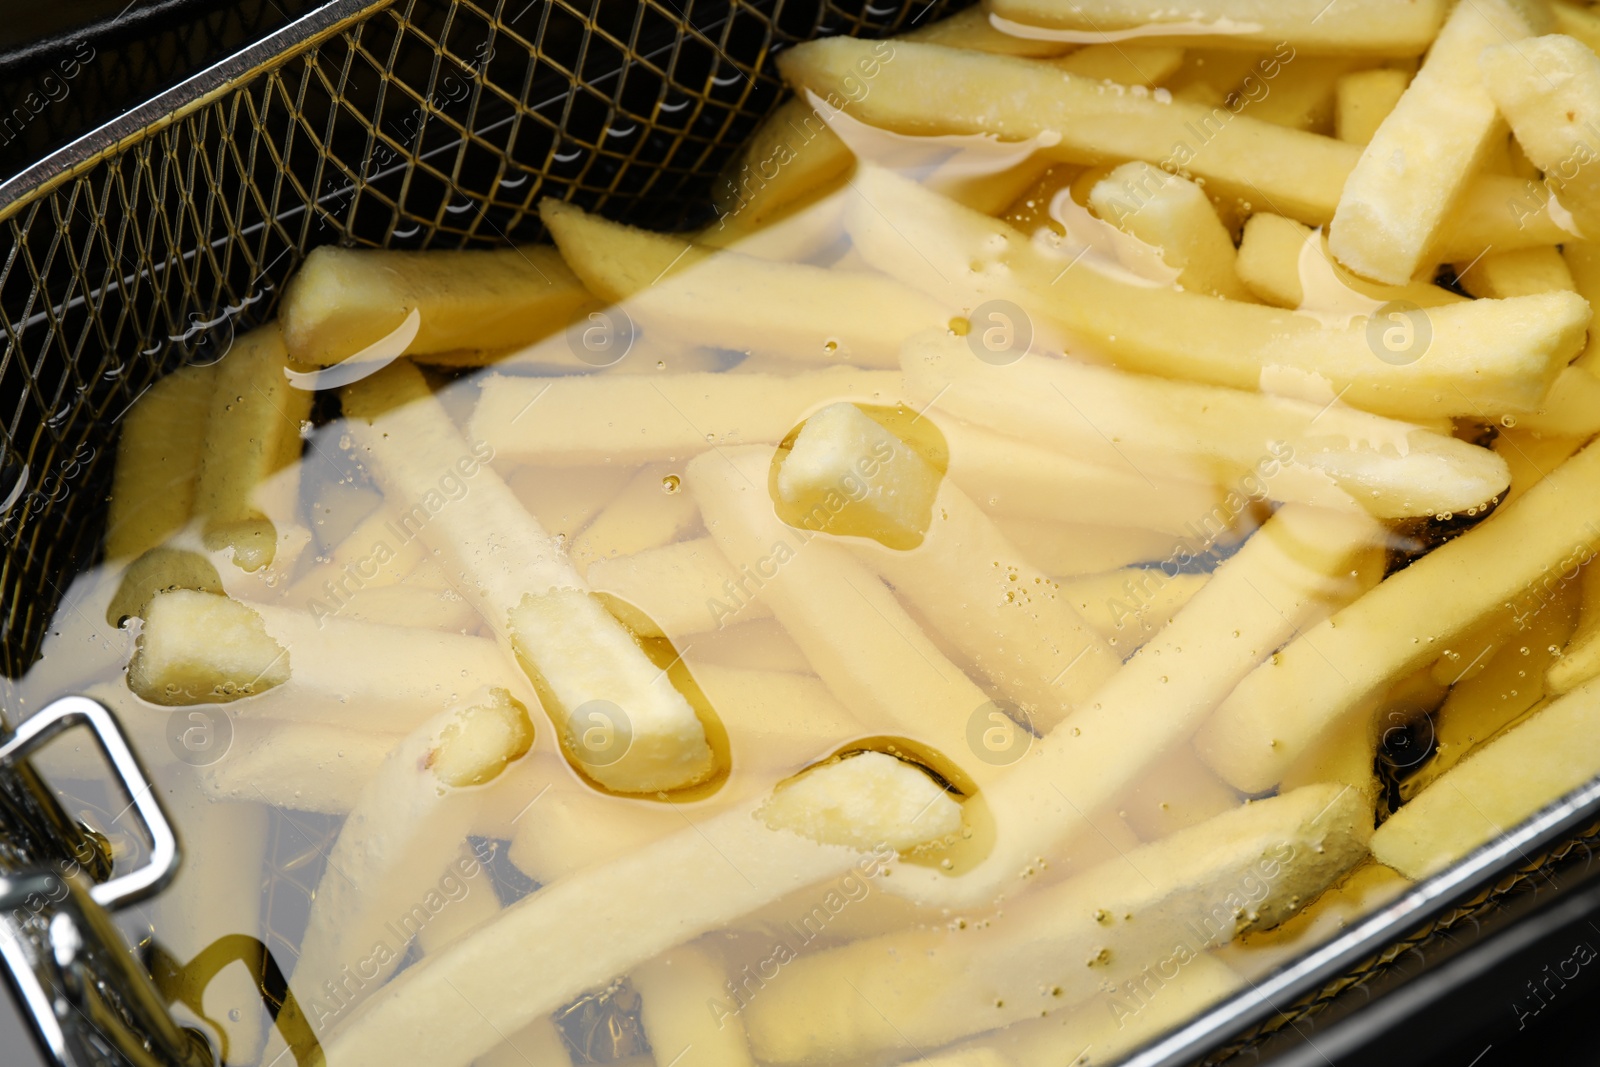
(147, 245)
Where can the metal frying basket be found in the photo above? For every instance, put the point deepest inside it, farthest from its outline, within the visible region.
(149, 243)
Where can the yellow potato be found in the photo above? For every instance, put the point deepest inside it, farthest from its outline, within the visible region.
(1286, 264)
(1580, 659)
(1175, 217)
(1302, 97)
(1423, 154)
(342, 300)
(1521, 272)
(158, 462)
(1363, 99)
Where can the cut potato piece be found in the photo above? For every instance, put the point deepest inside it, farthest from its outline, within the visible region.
(674, 991)
(525, 587)
(1177, 791)
(1130, 605)
(677, 590)
(382, 550)
(1532, 455)
(160, 570)
(1571, 407)
(1075, 551)
(408, 825)
(1465, 358)
(1284, 449)
(201, 648)
(1174, 216)
(873, 657)
(252, 435)
(1287, 265)
(963, 576)
(1496, 787)
(1282, 709)
(1125, 64)
(1522, 272)
(1300, 566)
(929, 90)
(794, 311)
(564, 499)
(343, 300)
(541, 952)
(158, 462)
(1511, 682)
(1424, 154)
(1549, 91)
(1301, 97)
(792, 154)
(1363, 99)
(621, 720)
(851, 805)
(1358, 895)
(302, 766)
(1364, 27)
(1580, 659)
(1018, 479)
(648, 512)
(1251, 867)
(552, 421)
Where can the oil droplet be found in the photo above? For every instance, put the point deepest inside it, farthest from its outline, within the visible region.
(671, 483)
(831, 346)
(960, 326)
(1508, 421)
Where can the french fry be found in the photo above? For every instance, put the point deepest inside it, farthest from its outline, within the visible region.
(1302, 96)
(337, 508)
(476, 906)
(1072, 551)
(1177, 429)
(1424, 153)
(564, 499)
(674, 990)
(926, 90)
(1570, 409)
(1549, 91)
(1125, 64)
(217, 893)
(1018, 479)
(408, 825)
(1130, 605)
(1495, 787)
(759, 644)
(1298, 567)
(1286, 264)
(1363, 99)
(776, 720)
(1511, 682)
(648, 512)
(1577, 21)
(380, 551)
(1356, 896)
(202, 648)
(1480, 355)
(872, 656)
(1281, 710)
(651, 420)
(540, 953)
(1347, 757)
(791, 155)
(539, 1044)
(342, 300)
(158, 462)
(1174, 216)
(1208, 75)
(1580, 659)
(1531, 455)
(302, 766)
(523, 585)
(252, 435)
(1177, 791)
(1115, 1023)
(810, 315)
(678, 590)
(1251, 867)
(1367, 28)
(1521, 272)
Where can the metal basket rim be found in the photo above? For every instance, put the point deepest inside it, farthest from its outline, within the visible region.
(170, 106)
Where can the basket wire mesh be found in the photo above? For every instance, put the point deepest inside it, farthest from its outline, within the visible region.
(398, 124)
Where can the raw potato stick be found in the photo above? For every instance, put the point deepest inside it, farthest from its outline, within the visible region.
(811, 315)
(525, 587)
(924, 89)
(1130, 605)
(1549, 91)
(1174, 216)
(301, 766)
(1495, 788)
(1287, 265)
(678, 590)
(578, 933)
(342, 300)
(217, 892)
(1479, 355)
(408, 825)
(252, 446)
(1282, 709)
(971, 584)
(551, 421)
(1365, 27)
(1297, 568)
(381, 550)
(909, 990)
(1424, 153)
(1076, 551)
(158, 462)
(1580, 659)
(1021, 479)
(1520, 272)
(674, 991)
(1363, 99)
(1127, 64)
(873, 657)
(648, 513)
(1288, 450)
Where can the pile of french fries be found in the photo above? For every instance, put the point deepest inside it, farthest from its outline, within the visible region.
(967, 600)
